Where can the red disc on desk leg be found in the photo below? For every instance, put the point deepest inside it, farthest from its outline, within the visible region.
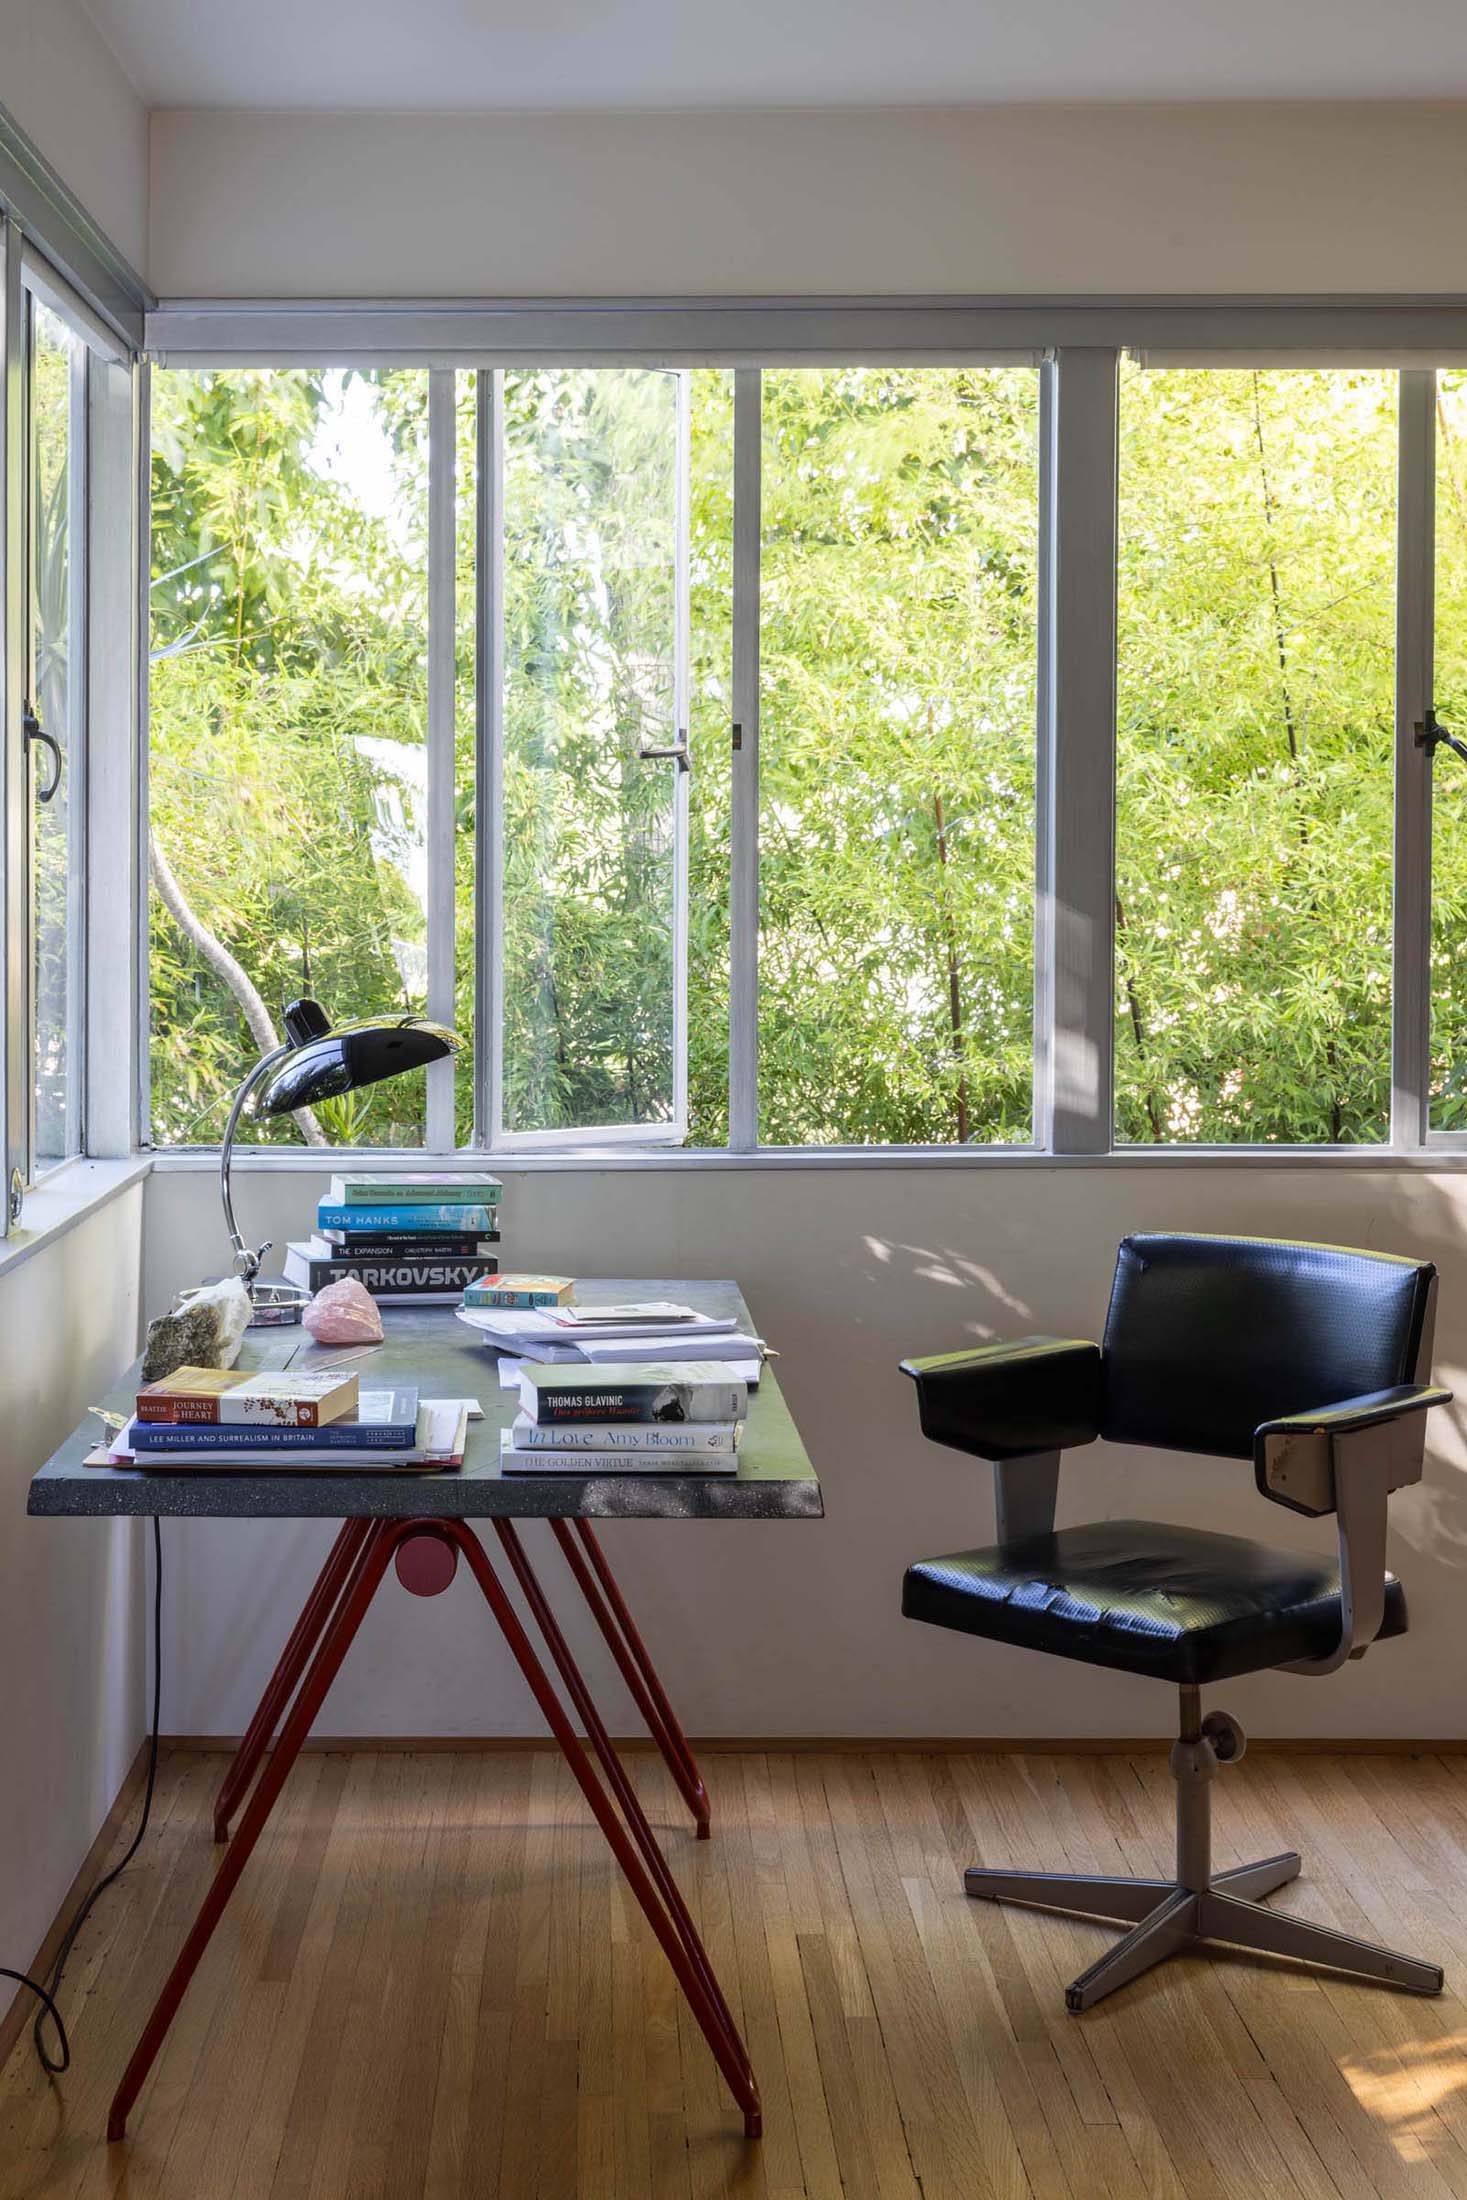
(426, 1563)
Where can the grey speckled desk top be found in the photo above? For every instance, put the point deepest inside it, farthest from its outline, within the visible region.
(429, 1346)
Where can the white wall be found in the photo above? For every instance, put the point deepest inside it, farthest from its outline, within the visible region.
(793, 1628)
(72, 1612)
(1033, 200)
(63, 85)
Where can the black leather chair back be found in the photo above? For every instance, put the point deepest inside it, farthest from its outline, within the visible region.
(1208, 1337)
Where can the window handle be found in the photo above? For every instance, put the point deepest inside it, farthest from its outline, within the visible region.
(1430, 736)
(679, 752)
(32, 730)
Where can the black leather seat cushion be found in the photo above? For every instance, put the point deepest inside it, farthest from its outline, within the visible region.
(1178, 1603)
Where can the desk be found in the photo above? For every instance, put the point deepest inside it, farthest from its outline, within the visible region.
(419, 1525)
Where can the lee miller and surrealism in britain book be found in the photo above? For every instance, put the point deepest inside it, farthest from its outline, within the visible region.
(409, 1239)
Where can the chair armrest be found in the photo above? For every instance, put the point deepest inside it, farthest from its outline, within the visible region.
(1294, 1458)
(1002, 1401)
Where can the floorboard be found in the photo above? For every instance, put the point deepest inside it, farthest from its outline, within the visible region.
(432, 1985)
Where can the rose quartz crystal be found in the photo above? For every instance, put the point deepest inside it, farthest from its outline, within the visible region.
(344, 1313)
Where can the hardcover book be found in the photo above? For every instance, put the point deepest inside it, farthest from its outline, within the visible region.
(524, 1459)
(406, 1244)
(230, 1397)
(670, 1436)
(404, 1215)
(521, 1291)
(385, 1420)
(464, 1188)
(432, 1282)
(678, 1390)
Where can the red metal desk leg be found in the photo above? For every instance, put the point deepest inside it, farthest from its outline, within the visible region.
(599, 1586)
(372, 1562)
(641, 1860)
(304, 1637)
(654, 1886)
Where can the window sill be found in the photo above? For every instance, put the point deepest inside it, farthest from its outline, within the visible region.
(67, 1196)
(291, 1160)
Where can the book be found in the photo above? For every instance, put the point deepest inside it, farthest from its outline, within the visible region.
(405, 1244)
(531, 1459)
(535, 1326)
(440, 1439)
(689, 1390)
(521, 1291)
(434, 1282)
(403, 1216)
(385, 1420)
(460, 1188)
(229, 1397)
(670, 1436)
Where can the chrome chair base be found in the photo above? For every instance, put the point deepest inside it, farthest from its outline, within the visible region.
(1167, 1918)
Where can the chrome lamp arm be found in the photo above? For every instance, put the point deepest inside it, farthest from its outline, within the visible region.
(246, 1263)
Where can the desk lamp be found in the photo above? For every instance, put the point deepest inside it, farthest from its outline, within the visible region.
(315, 1062)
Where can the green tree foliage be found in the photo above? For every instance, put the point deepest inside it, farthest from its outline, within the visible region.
(898, 638)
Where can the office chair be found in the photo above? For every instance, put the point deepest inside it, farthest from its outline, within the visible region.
(1308, 1359)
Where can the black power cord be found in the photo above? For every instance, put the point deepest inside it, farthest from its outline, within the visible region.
(46, 1993)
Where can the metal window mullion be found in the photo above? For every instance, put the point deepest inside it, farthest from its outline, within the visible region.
(489, 759)
(115, 865)
(1078, 861)
(743, 914)
(1411, 887)
(142, 649)
(13, 854)
(682, 731)
(1042, 1102)
(441, 884)
(78, 719)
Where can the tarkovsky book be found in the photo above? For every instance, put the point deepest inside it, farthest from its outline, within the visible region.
(226, 1396)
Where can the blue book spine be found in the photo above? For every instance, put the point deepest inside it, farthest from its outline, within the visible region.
(209, 1436)
(412, 1218)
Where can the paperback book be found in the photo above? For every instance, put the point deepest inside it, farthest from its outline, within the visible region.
(687, 1390)
(521, 1291)
(229, 1397)
(385, 1420)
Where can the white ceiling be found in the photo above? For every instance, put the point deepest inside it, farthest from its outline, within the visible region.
(473, 54)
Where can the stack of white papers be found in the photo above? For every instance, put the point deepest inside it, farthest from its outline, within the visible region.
(544, 1337)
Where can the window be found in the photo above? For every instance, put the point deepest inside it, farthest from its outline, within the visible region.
(898, 654)
(1255, 734)
(288, 687)
(726, 748)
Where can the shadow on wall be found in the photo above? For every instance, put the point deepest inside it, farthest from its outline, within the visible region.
(1420, 1216)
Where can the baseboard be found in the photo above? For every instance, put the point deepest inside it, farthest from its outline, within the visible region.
(885, 1745)
(18, 2016)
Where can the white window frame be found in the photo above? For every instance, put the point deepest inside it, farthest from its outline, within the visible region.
(1078, 346)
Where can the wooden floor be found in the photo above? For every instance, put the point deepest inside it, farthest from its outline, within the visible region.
(431, 1981)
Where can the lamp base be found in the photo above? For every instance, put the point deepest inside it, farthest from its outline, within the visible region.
(277, 1305)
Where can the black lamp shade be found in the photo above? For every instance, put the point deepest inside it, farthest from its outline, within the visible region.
(362, 1052)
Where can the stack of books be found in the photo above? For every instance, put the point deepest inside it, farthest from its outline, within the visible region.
(681, 1417)
(411, 1240)
(228, 1421)
(515, 1317)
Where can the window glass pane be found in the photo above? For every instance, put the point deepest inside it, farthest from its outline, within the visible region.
(711, 606)
(1449, 773)
(288, 686)
(591, 678)
(897, 748)
(1254, 783)
(57, 694)
(465, 741)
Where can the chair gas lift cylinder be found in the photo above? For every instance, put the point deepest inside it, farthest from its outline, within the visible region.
(1311, 1360)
